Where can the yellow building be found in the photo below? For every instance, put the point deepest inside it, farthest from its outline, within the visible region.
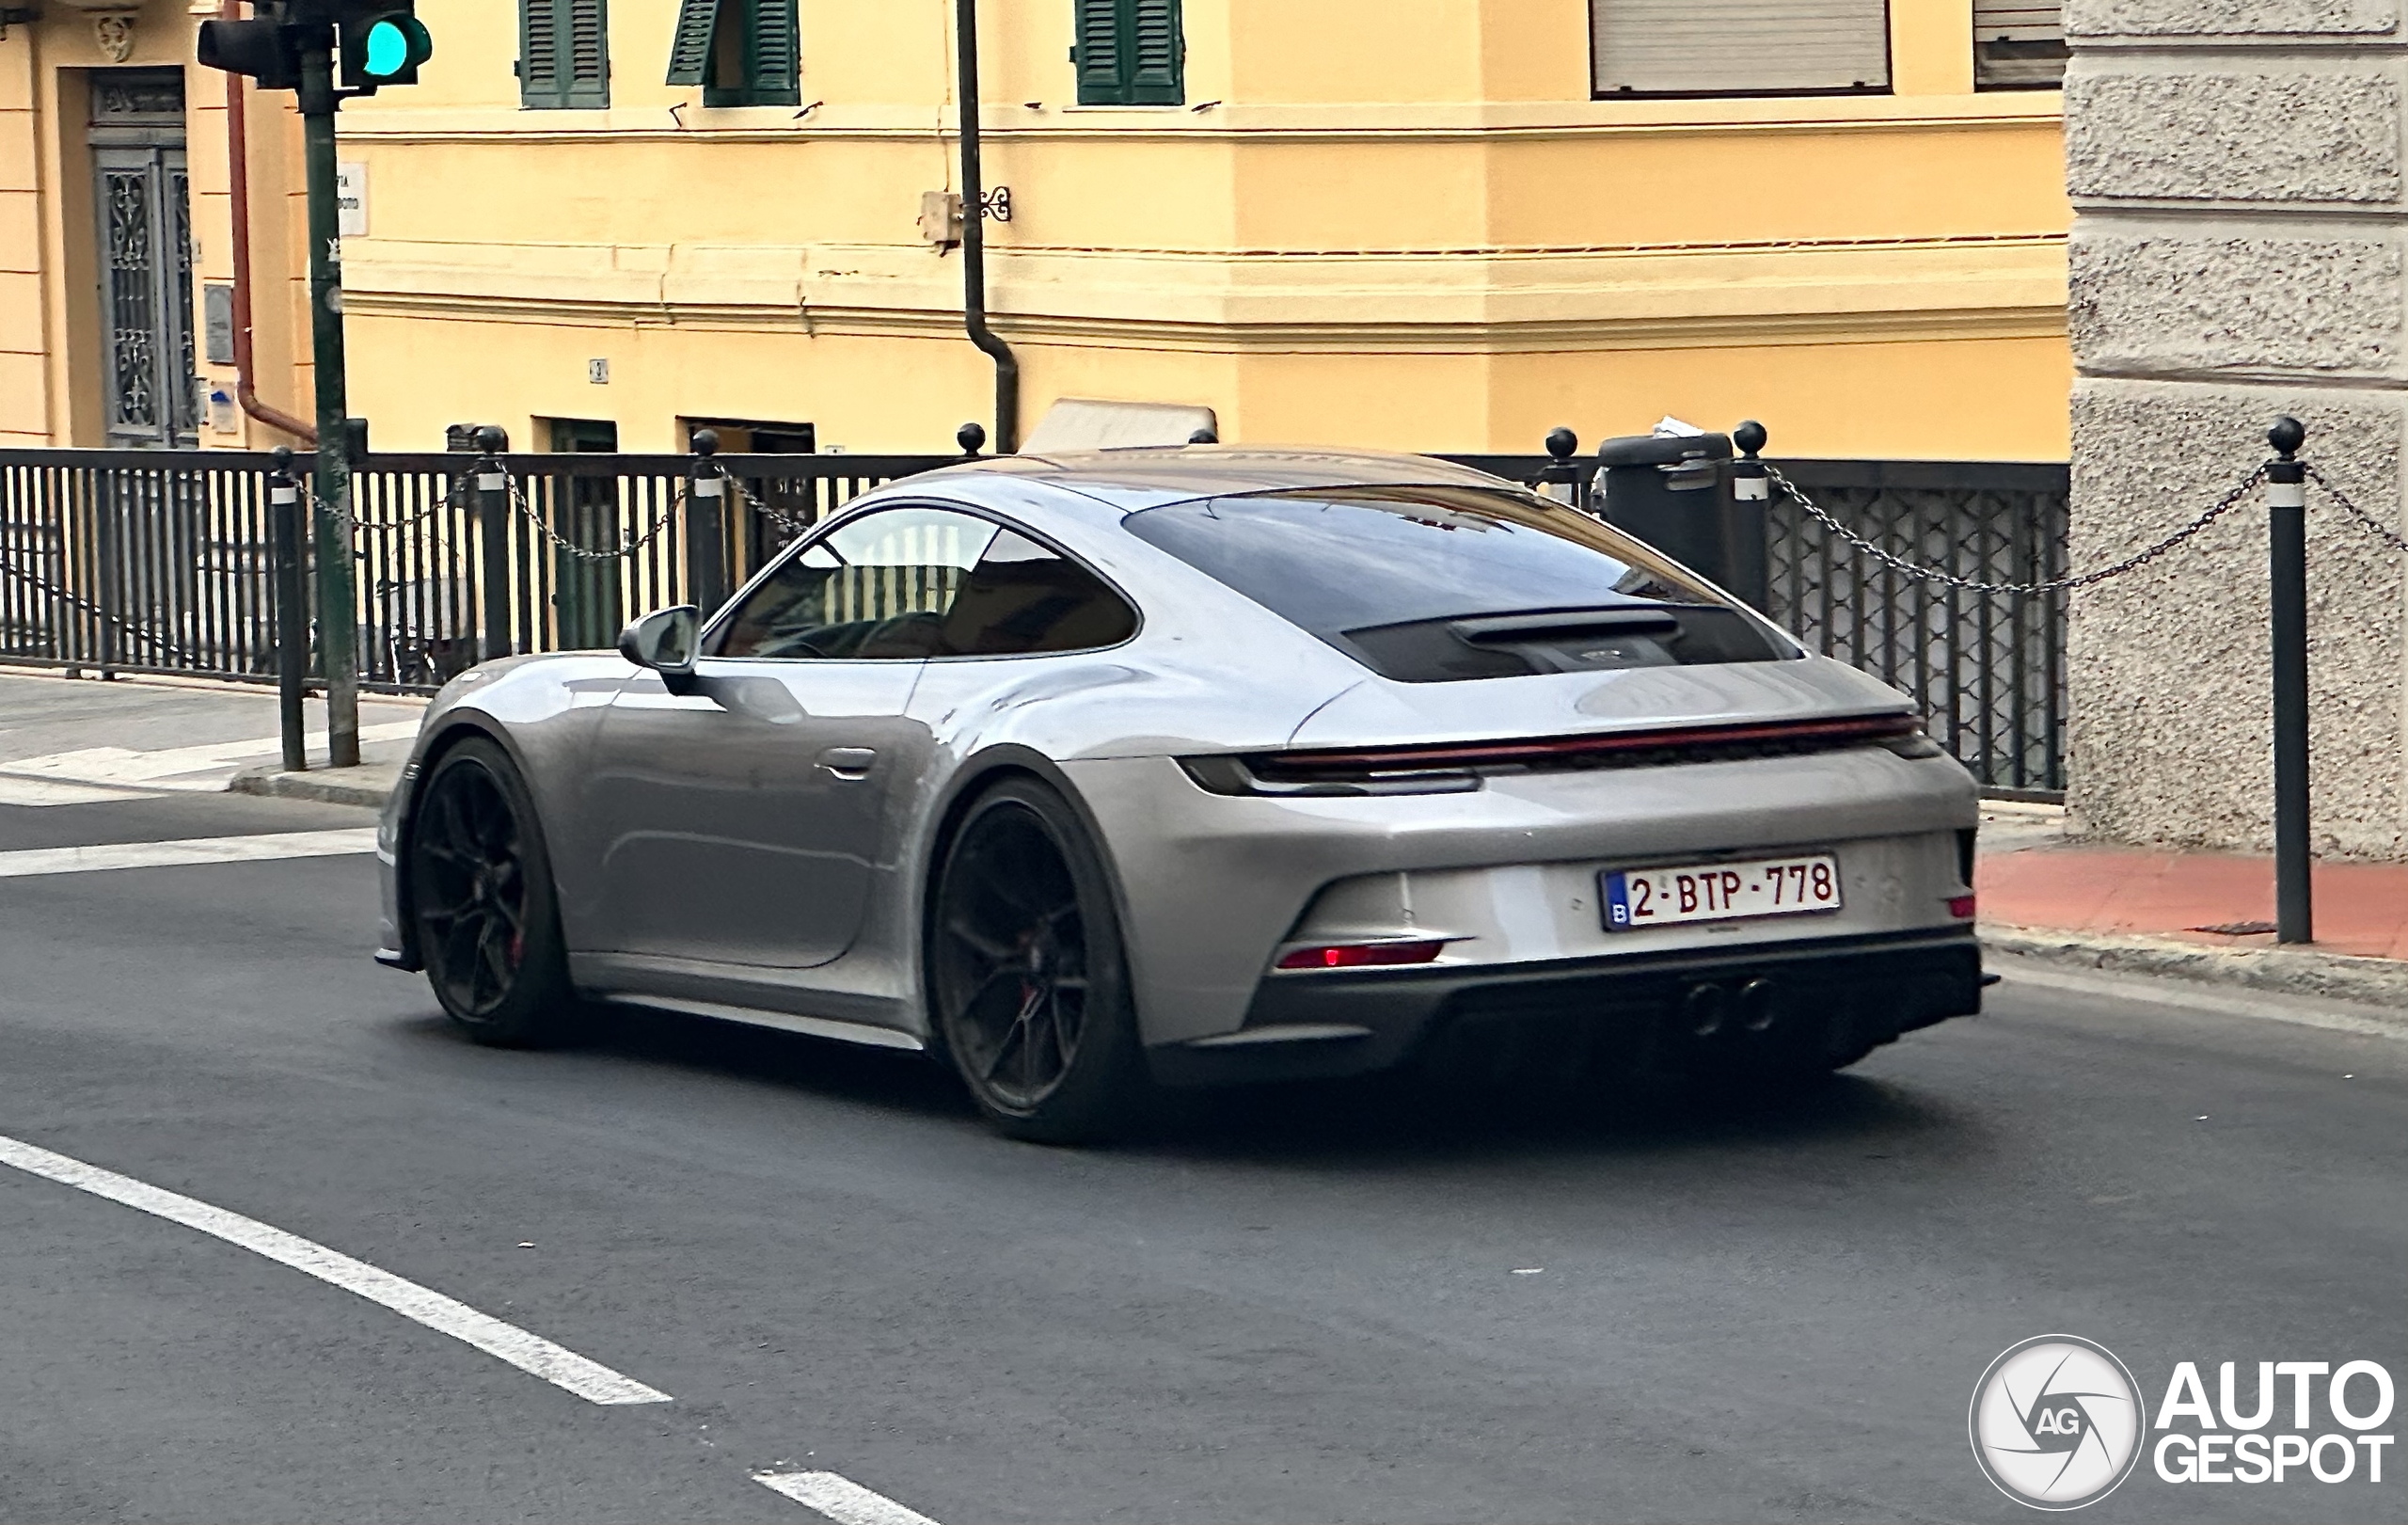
(1439, 225)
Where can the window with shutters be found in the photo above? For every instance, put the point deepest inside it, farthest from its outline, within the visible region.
(2019, 46)
(564, 55)
(1738, 47)
(742, 52)
(1129, 53)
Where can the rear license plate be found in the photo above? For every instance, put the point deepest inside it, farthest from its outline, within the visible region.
(1721, 890)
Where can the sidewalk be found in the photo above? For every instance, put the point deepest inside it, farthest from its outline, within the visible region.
(79, 741)
(2198, 915)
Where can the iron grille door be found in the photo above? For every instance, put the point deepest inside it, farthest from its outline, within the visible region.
(145, 201)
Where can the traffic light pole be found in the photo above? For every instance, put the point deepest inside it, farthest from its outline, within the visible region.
(338, 623)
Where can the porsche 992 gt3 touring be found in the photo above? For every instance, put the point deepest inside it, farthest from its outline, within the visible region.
(1094, 773)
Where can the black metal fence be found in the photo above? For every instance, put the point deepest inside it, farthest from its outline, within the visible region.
(158, 561)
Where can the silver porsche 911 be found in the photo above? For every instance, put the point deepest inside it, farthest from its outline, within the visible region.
(1106, 772)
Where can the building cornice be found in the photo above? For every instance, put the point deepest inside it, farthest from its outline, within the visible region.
(1415, 122)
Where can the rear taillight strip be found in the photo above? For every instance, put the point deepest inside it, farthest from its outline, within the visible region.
(1855, 728)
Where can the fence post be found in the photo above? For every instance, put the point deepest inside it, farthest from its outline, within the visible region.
(1559, 479)
(2287, 535)
(1747, 559)
(492, 522)
(707, 526)
(292, 617)
(108, 500)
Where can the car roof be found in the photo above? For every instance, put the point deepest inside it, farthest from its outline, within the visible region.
(1136, 479)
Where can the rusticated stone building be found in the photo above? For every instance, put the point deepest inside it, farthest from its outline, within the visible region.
(2241, 231)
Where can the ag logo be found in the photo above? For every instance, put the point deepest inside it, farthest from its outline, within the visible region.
(2057, 1423)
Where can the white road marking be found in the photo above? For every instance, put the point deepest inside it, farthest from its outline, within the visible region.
(42, 791)
(165, 767)
(840, 1498)
(2228, 1001)
(27, 861)
(563, 1368)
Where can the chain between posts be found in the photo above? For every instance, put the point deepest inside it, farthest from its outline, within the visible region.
(1896, 563)
(2230, 501)
(785, 521)
(2367, 521)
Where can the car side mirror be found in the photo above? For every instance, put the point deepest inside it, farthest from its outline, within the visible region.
(665, 640)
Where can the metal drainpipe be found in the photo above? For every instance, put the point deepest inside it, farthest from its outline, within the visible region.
(238, 170)
(973, 241)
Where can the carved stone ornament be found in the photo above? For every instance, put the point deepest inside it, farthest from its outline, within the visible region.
(115, 35)
(112, 26)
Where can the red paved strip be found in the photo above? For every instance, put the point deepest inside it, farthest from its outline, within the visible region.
(2360, 908)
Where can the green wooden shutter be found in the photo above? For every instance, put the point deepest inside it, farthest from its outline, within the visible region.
(773, 65)
(586, 49)
(1156, 53)
(689, 49)
(1129, 53)
(539, 55)
(1103, 81)
(564, 55)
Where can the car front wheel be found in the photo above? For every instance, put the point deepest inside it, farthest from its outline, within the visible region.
(487, 918)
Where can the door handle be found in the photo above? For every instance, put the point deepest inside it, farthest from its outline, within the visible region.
(851, 764)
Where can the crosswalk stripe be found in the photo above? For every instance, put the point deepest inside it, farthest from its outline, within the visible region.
(29, 862)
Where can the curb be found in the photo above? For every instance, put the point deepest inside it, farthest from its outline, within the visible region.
(2333, 977)
(367, 787)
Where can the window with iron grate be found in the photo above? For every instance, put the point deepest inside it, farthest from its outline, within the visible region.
(742, 52)
(2019, 46)
(564, 55)
(1129, 53)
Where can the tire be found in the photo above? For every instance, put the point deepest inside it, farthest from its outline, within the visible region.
(484, 905)
(1027, 982)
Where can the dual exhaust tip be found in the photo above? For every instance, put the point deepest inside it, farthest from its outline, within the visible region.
(1713, 1009)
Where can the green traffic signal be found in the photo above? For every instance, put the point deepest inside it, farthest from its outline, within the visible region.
(384, 48)
(397, 45)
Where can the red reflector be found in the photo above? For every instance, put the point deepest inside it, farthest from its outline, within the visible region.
(1961, 907)
(1360, 954)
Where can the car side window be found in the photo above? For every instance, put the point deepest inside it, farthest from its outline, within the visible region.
(1025, 597)
(882, 585)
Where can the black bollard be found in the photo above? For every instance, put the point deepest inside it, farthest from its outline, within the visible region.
(2287, 534)
(291, 609)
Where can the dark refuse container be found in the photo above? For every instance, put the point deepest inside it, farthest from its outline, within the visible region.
(1673, 491)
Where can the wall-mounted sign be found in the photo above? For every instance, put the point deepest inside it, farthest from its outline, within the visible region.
(217, 322)
(351, 199)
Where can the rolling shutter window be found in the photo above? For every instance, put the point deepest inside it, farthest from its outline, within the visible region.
(1739, 47)
(743, 53)
(2018, 45)
(564, 55)
(1129, 53)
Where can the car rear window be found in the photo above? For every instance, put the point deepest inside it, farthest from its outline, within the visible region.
(1444, 584)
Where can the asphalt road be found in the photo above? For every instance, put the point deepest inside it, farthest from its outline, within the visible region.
(1321, 1304)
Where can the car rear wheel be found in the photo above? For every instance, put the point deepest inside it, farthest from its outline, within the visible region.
(1027, 984)
(488, 921)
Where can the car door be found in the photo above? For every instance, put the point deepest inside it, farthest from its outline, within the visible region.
(752, 819)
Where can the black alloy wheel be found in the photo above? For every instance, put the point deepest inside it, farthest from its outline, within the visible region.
(1027, 977)
(481, 886)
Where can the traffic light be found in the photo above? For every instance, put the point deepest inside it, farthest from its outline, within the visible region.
(267, 49)
(382, 44)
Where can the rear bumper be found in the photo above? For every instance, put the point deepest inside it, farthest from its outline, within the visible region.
(1762, 1006)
